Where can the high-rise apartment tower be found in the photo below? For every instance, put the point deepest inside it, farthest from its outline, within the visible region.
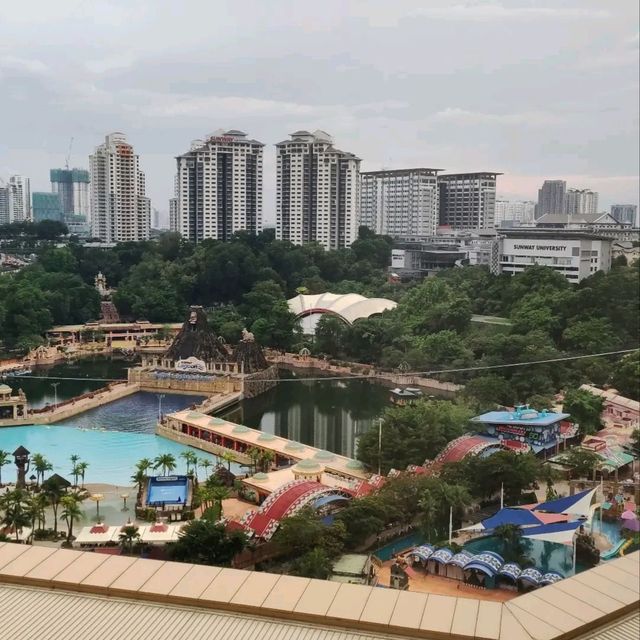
(73, 187)
(400, 202)
(318, 191)
(552, 198)
(219, 187)
(468, 200)
(120, 211)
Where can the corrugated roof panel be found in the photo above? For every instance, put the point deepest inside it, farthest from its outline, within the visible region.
(75, 616)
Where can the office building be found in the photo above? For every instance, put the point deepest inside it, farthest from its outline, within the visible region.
(602, 224)
(514, 213)
(219, 187)
(468, 200)
(574, 254)
(47, 206)
(626, 214)
(20, 201)
(581, 201)
(73, 187)
(120, 212)
(400, 202)
(552, 198)
(318, 191)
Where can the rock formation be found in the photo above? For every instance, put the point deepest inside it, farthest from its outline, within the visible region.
(196, 339)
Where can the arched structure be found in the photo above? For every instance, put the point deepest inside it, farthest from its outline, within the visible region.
(286, 501)
(348, 307)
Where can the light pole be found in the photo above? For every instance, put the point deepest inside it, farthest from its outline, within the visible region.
(160, 396)
(97, 497)
(379, 445)
(55, 392)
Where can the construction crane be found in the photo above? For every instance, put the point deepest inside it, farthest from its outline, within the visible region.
(68, 157)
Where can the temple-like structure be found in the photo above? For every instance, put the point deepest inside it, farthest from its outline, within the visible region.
(199, 361)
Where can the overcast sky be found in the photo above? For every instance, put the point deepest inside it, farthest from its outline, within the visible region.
(533, 89)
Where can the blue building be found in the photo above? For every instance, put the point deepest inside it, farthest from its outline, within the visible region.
(46, 206)
(541, 430)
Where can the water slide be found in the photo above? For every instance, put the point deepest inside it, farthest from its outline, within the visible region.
(625, 546)
(615, 550)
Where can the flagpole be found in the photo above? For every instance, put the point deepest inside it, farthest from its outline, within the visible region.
(575, 547)
(502, 495)
(450, 524)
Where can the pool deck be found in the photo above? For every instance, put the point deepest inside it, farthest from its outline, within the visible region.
(423, 583)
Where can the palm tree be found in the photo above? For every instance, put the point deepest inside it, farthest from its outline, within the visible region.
(427, 506)
(266, 459)
(205, 463)
(54, 492)
(512, 543)
(166, 462)
(228, 457)
(41, 466)
(75, 472)
(5, 458)
(82, 468)
(190, 459)
(38, 504)
(75, 458)
(218, 494)
(144, 465)
(70, 513)
(129, 535)
(139, 477)
(255, 454)
(16, 514)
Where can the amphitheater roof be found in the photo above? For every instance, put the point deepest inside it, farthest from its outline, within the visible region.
(348, 306)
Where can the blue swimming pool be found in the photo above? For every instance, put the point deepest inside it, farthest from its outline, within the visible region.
(399, 544)
(167, 490)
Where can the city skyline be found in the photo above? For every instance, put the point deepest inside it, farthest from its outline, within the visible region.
(483, 105)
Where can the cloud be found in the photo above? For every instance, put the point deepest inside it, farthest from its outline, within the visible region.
(462, 116)
(28, 65)
(493, 12)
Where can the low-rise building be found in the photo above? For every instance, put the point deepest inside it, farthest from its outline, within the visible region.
(353, 568)
(616, 408)
(574, 254)
(600, 223)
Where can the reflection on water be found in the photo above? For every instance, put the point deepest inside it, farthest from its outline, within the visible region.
(41, 392)
(328, 414)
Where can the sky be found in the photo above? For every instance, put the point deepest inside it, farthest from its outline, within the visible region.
(532, 89)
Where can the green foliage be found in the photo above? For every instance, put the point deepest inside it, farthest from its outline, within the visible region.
(582, 462)
(514, 546)
(626, 376)
(313, 564)
(206, 542)
(413, 434)
(585, 409)
(304, 531)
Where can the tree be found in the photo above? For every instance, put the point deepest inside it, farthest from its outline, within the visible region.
(206, 542)
(626, 376)
(75, 472)
(513, 545)
(583, 462)
(5, 459)
(313, 564)
(41, 466)
(129, 537)
(206, 464)
(585, 409)
(634, 441)
(54, 491)
(166, 462)
(70, 513)
(228, 457)
(487, 392)
(82, 469)
(414, 433)
(15, 507)
(190, 459)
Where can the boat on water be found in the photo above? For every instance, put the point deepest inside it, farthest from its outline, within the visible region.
(22, 371)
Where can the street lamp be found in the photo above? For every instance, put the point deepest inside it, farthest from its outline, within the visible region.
(55, 393)
(96, 497)
(160, 396)
(379, 445)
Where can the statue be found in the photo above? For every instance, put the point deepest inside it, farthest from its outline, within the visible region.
(247, 336)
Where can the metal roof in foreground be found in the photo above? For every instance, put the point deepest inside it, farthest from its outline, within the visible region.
(48, 594)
